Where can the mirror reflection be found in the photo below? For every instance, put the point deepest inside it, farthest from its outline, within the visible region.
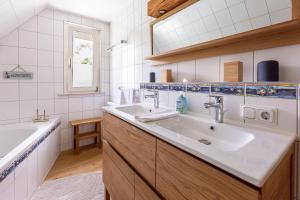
(208, 20)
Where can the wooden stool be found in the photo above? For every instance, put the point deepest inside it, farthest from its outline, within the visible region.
(82, 136)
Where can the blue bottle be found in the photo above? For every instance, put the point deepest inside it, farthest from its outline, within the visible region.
(182, 104)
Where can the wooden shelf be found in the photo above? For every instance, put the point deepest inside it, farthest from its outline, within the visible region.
(154, 6)
(286, 33)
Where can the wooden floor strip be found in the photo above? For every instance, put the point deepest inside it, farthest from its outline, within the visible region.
(68, 163)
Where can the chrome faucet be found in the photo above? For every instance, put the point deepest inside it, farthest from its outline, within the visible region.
(218, 105)
(154, 96)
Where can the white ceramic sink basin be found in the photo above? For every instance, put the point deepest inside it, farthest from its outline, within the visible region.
(223, 137)
(141, 110)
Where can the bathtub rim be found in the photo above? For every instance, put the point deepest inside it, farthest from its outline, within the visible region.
(16, 156)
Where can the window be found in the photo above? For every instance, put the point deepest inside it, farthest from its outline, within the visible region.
(81, 59)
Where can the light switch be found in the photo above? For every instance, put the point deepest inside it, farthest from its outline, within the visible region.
(249, 113)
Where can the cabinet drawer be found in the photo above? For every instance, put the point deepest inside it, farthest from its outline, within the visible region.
(180, 176)
(142, 191)
(136, 147)
(118, 177)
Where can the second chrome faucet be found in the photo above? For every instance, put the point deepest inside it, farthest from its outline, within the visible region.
(218, 106)
(154, 96)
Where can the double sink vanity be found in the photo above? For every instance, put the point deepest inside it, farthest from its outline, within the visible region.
(192, 157)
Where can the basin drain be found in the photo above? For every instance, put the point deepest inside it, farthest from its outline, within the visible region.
(204, 141)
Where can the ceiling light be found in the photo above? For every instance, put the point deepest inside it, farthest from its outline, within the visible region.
(162, 11)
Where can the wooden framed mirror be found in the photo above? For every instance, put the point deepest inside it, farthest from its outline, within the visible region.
(204, 28)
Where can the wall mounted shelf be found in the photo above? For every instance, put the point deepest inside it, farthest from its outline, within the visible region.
(155, 6)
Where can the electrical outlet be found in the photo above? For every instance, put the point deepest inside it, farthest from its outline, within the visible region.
(265, 115)
(259, 114)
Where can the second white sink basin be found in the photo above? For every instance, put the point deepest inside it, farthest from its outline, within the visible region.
(219, 136)
(136, 110)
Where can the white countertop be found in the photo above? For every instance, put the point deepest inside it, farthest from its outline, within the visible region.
(253, 162)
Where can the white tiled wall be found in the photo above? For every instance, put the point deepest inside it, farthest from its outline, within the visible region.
(128, 69)
(37, 45)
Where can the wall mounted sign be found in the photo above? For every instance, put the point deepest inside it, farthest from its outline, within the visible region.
(17, 74)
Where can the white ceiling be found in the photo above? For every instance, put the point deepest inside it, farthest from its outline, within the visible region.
(13, 13)
(99, 9)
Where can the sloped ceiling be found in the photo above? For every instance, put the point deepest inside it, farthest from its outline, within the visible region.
(103, 10)
(13, 13)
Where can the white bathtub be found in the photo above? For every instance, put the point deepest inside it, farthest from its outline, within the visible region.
(13, 135)
(27, 153)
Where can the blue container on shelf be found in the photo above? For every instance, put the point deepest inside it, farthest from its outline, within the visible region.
(268, 71)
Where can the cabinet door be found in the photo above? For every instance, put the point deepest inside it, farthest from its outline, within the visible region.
(180, 176)
(136, 146)
(118, 177)
(142, 191)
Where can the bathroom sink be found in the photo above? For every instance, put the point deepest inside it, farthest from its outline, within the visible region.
(136, 110)
(223, 137)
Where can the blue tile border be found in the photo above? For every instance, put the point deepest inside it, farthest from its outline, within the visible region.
(14, 164)
(228, 89)
(284, 91)
(198, 87)
(156, 86)
(268, 89)
(178, 87)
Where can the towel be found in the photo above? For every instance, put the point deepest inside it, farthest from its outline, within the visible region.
(156, 116)
(122, 98)
(135, 96)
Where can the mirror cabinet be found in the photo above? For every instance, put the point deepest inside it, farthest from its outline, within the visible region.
(204, 28)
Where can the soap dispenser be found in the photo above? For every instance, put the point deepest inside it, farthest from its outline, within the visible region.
(181, 104)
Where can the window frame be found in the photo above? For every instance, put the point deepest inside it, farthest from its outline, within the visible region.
(69, 29)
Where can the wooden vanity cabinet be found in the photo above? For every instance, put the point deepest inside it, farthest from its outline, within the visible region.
(118, 177)
(142, 191)
(179, 176)
(120, 180)
(136, 146)
(139, 166)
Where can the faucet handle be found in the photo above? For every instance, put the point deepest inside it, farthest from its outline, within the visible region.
(218, 99)
(155, 92)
